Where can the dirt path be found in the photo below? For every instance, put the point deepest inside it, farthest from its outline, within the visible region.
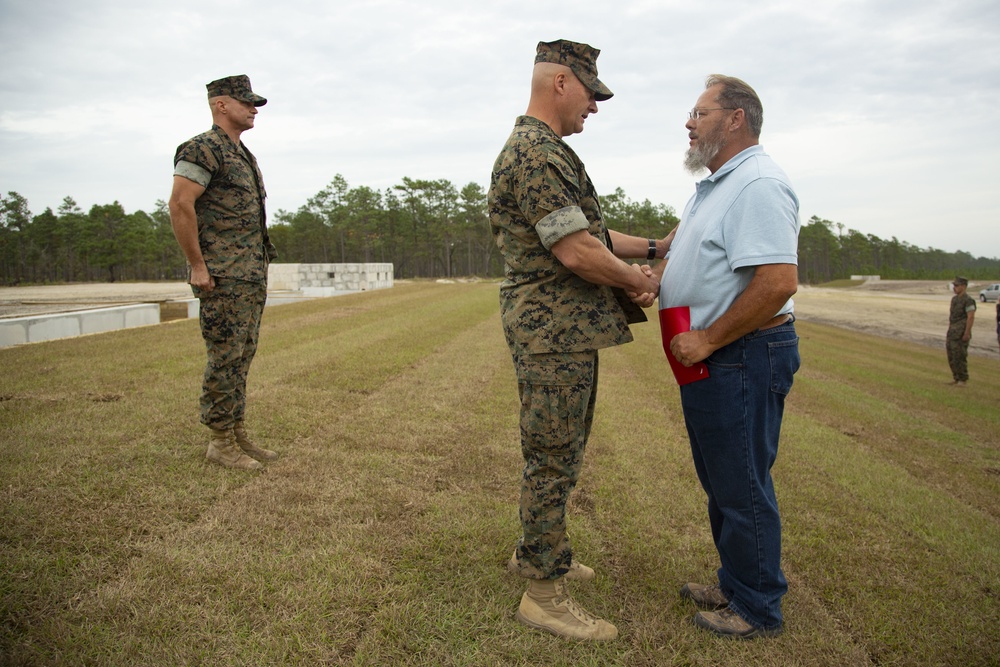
(42, 299)
(915, 311)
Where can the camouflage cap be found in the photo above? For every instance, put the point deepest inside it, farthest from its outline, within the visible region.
(581, 58)
(237, 87)
(959, 280)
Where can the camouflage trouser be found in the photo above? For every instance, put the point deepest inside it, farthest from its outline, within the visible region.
(557, 392)
(958, 354)
(230, 321)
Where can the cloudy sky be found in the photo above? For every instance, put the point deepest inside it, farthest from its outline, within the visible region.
(882, 112)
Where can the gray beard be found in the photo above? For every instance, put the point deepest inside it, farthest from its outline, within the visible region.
(696, 159)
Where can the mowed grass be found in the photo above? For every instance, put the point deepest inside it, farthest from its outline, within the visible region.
(380, 536)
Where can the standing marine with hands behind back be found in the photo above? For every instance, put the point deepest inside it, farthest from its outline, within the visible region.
(217, 213)
(563, 298)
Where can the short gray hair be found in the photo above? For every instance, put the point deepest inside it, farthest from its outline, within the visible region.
(737, 94)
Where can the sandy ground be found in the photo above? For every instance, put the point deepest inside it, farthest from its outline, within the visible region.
(915, 311)
(911, 310)
(42, 299)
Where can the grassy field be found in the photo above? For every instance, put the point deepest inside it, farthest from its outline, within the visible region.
(380, 536)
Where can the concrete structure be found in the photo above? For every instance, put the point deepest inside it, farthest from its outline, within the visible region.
(287, 283)
(328, 279)
(866, 278)
(19, 330)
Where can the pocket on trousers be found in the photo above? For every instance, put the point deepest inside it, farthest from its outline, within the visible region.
(555, 392)
(555, 370)
(784, 358)
(728, 358)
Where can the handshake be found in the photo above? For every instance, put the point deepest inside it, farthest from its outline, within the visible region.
(646, 295)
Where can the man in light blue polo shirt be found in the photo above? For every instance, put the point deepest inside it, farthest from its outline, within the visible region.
(734, 263)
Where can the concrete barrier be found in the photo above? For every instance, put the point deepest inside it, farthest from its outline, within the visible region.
(287, 283)
(329, 279)
(37, 328)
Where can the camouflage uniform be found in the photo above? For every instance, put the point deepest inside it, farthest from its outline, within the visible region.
(554, 322)
(232, 234)
(958, 349)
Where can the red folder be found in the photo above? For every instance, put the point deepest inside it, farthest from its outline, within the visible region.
(672, 322)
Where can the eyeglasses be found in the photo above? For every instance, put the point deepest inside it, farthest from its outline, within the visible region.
(696, 114)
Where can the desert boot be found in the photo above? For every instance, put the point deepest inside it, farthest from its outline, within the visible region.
(222, 449)
(546, 605)
(249, 447)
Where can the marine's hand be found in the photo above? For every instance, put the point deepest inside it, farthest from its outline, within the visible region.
(663, 245)
(202, 279)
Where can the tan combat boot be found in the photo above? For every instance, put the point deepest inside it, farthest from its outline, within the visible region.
(222, 449)
(546, 605)
(577, 571)
(249, 447)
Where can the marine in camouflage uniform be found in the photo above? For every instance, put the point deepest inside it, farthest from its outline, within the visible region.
(554, 316)
(963, 310)
(228, 266)
(554, 322)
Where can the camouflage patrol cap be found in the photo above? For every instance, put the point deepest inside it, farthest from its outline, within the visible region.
(237, 87)
(581, 58)
(959, 280)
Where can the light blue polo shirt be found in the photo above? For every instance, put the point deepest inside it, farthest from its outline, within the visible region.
(744, 215)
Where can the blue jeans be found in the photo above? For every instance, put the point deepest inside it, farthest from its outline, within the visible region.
(733, 419)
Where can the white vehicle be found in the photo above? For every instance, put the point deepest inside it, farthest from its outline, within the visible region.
(991, 293)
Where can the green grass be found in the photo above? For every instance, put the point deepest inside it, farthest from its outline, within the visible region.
(380, 536)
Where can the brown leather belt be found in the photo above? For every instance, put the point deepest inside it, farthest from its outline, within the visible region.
(775, 321)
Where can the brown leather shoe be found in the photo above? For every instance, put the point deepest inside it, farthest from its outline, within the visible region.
(727, 623)
(706, 597)
(577, 571)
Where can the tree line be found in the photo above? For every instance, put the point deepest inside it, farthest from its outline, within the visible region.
(425, 228)
(825, 256)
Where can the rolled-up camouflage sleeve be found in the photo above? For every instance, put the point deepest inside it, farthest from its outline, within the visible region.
(193, 172)
(559, 224)
(196, 161)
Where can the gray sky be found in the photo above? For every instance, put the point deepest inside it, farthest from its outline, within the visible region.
(882, 113)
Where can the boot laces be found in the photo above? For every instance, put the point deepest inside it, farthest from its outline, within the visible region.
(574, 608)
